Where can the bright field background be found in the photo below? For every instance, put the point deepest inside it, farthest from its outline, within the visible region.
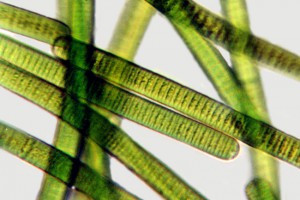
(164, 52)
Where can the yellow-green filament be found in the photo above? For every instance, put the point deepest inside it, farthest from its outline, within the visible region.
(31, 24)
(247, 72)
(126, 105)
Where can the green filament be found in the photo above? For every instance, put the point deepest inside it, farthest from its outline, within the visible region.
(80, 18)
(100, 131)
(134, 78)
(200, 107)
(31, 24)
(59, 165)
(215, 67)
(246, 70)
(260, 189)
(264, 167)
(127, 36)
(184, 12)
(190, 14)
(127, 105)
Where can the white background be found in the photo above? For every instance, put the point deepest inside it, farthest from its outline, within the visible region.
(163, 50)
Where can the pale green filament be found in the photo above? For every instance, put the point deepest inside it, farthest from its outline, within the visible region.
(264, 167)
(130, 29)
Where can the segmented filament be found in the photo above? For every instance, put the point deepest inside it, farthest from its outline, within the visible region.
(132, 107)
(190, 14)
(100, 130)
(198, 106)
(59, 164)
(184, 12)
(31, 24)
